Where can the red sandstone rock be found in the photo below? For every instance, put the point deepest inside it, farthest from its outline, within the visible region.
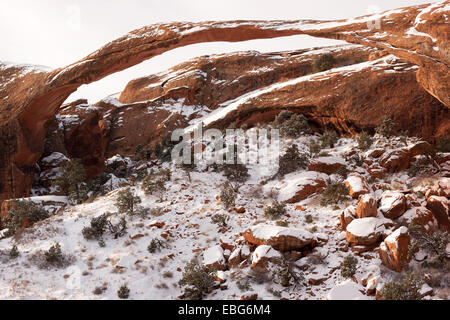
(357, 186)
(394, 249)
(440, 207)
(328, 165)
(393, 204)
(367, 206)
(396, 160)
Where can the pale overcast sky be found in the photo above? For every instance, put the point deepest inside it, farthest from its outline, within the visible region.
(56, 33)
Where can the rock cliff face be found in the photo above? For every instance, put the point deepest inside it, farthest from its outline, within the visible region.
(30, 97)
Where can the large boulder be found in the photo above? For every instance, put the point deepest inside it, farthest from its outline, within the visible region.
(365, 231)
(328, 165)
(367, 206)
(357, 186)
(420, 216)
(392, 204)
(396, 160)
(280, 238)
(440, 207)
(394, 249)
(301, 186)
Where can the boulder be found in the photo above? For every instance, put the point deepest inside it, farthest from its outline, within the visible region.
(357, 186)
(377, 172)
(347, 290)
(392, 204)
(238, 256)
(280, 238)
(419, 148)
(367, 206)
(395, 160)
(213, 258)
(262, 256)
(440, 207)
(394, 249)
(301, 186)
(365, 231)
(347, 216)
(375, 153)
(420, 216)
(328, 165)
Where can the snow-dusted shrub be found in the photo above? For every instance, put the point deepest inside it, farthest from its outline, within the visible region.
(364, 140)
(156, 183)
(334, 193)
(282, 223)
(309, 218)
(314, 147)
(236, 172)
(386, 127)
(228, 195)
(291, 125)
(292, 161)
(220, 219)
(54, 255)
(355, 160)
(119, 229)
(156, 245)
(96, 229)
(275, 211)
(328, 139)
(24, 213)
(435, 243)
(286, 274)
(127, 202)
(323, 62)
(197, 280)
(348, 267)
(14, 252)
(406, 288)
(123, 292)
(71, 179)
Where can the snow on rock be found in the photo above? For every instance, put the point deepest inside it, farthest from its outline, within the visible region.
(347, 216)
(440, 207)
(367, 206)
(263, 255)
(419, 215)
(393, 204)
(365, 231)
(213, 258)
(394, 249)
(328, 165)
(280, 238)
(347, 290)
(298, 187)
(395, 160)
(357, 186)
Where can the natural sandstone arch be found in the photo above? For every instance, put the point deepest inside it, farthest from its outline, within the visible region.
(418, 34)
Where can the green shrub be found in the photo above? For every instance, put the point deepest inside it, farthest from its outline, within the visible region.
(275, 211)
(14, 252)
(334, 193)
(309, 218)
(435, 242)
(123, 292)
(407, 288)
(364, 140)
(291, 124)
(314, 147)
(348, 268)
(197, 280)
(96, 229)
(156, 245)
(236, 172)
(328, 139)
(228, 195)
(156, 183)
(281, 223)
(54, 255)
(24, 213)
(386, 128)
(220, 219)
(292, 161)
(156, 212)
(127, 202)
(71, 179)
(323, 62)
(286, 274)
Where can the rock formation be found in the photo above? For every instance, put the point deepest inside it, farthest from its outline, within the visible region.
(30, 97)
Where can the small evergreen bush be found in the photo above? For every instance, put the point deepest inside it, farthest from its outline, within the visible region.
(334, 193)
(292, 161)
(323, 62)
(275, 211)
(228, 195)
(348, 268)
(197, 280)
